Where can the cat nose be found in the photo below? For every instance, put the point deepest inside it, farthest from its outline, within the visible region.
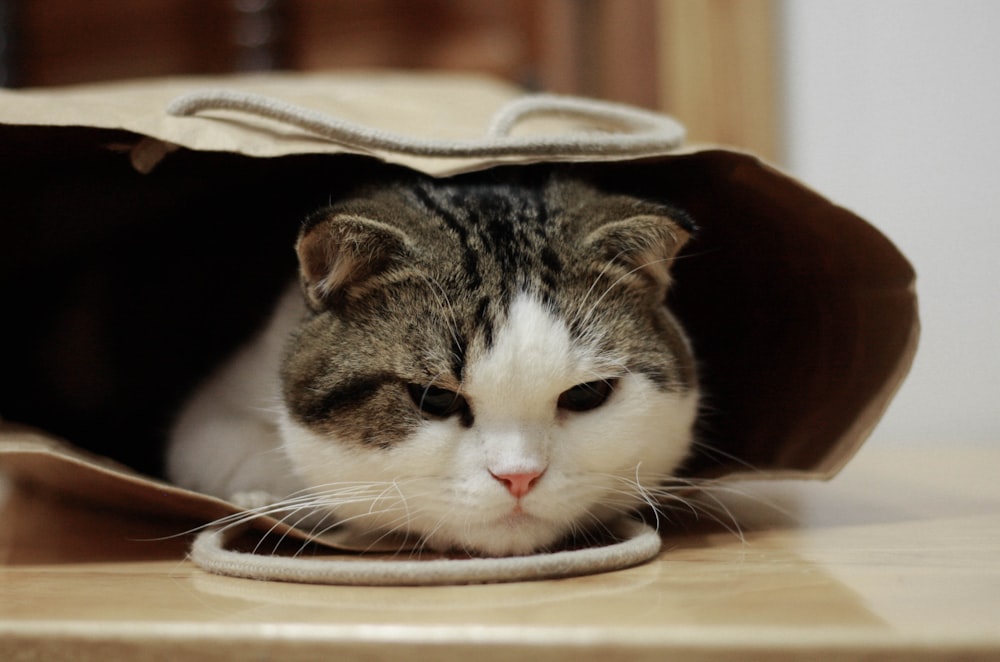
(519, 484)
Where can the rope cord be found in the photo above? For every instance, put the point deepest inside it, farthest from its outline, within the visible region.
(636, 131)
(639, 543)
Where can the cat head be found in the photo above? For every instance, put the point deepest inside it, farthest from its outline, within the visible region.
(488, 362)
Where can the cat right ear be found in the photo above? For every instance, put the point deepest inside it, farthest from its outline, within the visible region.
(643, 245)
(343, 255)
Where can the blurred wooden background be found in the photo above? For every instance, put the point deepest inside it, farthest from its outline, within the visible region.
(711, 63)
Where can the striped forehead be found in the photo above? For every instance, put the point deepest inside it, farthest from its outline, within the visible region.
(533, 357)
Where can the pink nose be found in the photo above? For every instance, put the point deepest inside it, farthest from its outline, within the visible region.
(519, 484)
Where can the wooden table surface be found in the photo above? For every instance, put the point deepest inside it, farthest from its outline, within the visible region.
(898, 557)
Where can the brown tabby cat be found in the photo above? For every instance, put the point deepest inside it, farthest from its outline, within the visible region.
(483, 362)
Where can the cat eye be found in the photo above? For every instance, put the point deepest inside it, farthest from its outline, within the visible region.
(584, 397)
(437, 401)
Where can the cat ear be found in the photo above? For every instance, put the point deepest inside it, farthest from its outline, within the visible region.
(644, 245)
(343, 254)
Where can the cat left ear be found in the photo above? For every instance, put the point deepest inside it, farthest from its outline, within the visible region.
(342, 254)
(644, 245)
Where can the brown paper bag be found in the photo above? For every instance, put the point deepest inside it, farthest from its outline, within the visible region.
(803, 316)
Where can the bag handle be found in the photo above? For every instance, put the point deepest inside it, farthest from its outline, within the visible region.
(638, 542)
(634, 132)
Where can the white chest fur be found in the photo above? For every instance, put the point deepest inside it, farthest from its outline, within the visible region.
(226, 441)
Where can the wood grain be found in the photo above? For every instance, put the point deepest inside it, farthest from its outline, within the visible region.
(894, 559)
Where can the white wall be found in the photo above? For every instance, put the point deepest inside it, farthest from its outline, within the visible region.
(893, 110)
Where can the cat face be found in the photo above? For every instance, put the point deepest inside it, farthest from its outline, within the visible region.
(489, 367)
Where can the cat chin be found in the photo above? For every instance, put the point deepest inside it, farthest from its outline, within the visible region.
(513, 535)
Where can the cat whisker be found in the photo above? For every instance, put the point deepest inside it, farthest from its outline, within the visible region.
(645, 494)
(585, 319)
(441, 295)
(663, 499)
(314, 498)
(735, 489)
(714, 508)
(578, 316)
(272, 410)
(330, 520)
(713, 452)
(587, 532)
(386, 528)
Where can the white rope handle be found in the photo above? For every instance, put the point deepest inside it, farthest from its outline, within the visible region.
(638, 132)
(624, 118)
(639, 543)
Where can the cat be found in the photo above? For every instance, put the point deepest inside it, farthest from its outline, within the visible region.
(484, 363)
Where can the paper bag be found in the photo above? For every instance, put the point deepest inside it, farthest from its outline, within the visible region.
(117, 298)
